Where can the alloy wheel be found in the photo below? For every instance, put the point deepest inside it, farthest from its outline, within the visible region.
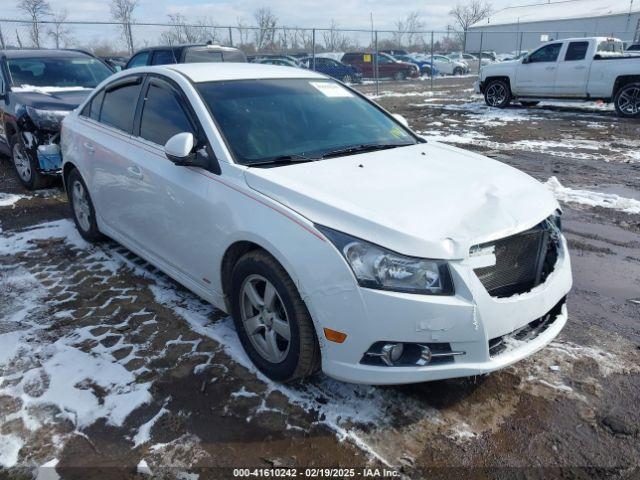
(264, 318)
(496, 94)
(629, 101)
(22, 163)
(347, 79)
(81, 205)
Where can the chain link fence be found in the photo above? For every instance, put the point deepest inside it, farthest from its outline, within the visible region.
(467, 51)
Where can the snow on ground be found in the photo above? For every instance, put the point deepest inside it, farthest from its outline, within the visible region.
(10, 199)
(42, 370)
(592, 199)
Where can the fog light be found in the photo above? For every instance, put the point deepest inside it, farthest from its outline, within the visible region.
(392, 352)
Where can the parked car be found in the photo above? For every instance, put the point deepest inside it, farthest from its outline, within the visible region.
(426, 68)
(470, 60)
(165, 55)
(593, 68)
(37, 89)
(283, 62)
(388, 67)
(393, 53)
(298, 206)
(288, 59)
(447, 66)
(116, 63)
(334, 68)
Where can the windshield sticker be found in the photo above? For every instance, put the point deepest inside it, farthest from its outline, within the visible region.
(330, 89)
(398, 132)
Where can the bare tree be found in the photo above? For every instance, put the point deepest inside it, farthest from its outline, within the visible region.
(266, 22)
(335, 40)
(59, 32)
(122, 12)
(467, 15)
(243, 32)
(36, 10)
(181, 31)
(407, 30)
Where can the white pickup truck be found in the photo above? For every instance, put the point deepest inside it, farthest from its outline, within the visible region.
(575, 68)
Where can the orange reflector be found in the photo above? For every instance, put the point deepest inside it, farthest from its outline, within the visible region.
(334, 336)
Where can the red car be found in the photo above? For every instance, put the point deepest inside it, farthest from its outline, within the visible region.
(388, 67)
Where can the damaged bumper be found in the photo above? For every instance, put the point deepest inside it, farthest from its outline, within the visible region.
(468, 334)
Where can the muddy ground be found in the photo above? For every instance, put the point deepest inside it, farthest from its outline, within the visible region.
(571, 410)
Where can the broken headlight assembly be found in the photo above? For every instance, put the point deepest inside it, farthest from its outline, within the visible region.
(379, 268)
(46, 119)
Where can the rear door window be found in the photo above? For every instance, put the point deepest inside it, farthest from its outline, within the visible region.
(119, 105)
(163, 57)
(196, 55)
(138, 60)
(163, 115)
(576, 51)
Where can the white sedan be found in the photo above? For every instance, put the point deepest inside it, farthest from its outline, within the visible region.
(336, 237)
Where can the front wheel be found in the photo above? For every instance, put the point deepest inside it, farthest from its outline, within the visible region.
(497, 94)
(26, 165)
(272, 321)
(627, 101)
(347, 79)
(458, 71)
(82, 211)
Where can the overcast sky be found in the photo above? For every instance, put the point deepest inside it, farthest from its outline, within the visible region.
(304, 13)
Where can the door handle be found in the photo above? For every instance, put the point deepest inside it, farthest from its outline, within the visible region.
(550, 68)
(89, 147)
(135, 172)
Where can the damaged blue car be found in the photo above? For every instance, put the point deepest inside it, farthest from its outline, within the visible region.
(38, 88)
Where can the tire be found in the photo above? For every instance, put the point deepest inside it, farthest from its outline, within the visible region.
(26, 165)
(399, 76)
(280, 360)
(497, 94)
(529, 104)
(627, 101)
(82, 211)
(458, 71)
(347, 79)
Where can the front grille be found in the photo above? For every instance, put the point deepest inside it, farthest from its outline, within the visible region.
(527, 333)
(523, 261)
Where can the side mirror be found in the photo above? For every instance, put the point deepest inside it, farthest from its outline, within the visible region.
(180, 150)
(400, 119)
(525, 60)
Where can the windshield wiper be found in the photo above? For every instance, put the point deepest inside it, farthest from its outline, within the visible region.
(280, 159)
(367, 147)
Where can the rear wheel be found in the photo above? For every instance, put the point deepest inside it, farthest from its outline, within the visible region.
(272, 321)
(82, 210)
(25, 164)
(627, 101)
(497, 94)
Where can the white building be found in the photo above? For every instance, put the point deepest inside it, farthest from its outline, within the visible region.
(525, 27)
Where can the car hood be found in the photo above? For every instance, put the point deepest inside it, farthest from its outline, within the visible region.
(50, 99)
(428, 200)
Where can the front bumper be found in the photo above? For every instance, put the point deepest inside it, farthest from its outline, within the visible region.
(467, 322)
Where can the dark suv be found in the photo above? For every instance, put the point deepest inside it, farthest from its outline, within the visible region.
(388, 67)
(38, 88)
(185, 54)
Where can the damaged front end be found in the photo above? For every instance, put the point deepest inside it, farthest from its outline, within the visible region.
(40, 131)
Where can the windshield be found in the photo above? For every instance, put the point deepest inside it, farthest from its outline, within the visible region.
(264, 120)
(57, 71)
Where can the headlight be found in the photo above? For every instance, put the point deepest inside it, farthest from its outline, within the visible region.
(377, 267)
(47, 119)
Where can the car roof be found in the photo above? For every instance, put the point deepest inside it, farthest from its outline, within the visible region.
(191, 45)
(211, 72)
(42, 52)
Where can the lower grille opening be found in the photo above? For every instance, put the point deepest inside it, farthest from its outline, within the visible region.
(523, 261)
(532, 330)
